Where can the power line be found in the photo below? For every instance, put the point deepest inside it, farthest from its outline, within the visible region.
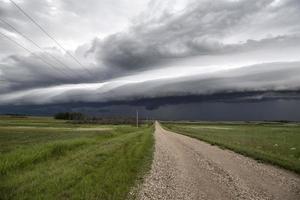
(51, 37)
(36, 55)
(35, 44)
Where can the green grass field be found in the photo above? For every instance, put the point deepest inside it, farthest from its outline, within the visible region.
(275, 143)
(43, 158)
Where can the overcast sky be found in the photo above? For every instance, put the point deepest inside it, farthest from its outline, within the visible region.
(129, 50)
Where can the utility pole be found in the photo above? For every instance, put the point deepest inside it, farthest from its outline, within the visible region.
(137, 118)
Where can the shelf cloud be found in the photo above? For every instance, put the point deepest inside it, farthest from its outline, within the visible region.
(151, 50)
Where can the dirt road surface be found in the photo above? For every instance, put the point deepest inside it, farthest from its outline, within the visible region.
(186, 168)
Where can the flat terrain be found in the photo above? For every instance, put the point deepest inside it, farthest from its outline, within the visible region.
(42, 158)
(187, 168)
(275, 143)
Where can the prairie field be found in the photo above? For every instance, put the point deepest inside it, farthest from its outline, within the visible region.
(43, 158)
(275, 143)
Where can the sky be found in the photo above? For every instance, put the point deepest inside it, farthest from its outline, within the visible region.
(239, 56)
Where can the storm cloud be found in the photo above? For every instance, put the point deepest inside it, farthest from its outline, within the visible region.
(204, 28)
(263, 80)
(152, 51)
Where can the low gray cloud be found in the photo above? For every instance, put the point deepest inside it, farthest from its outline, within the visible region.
(259, 80)
(21, 72)
(244, 47)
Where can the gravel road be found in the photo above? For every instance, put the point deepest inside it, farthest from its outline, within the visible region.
(186, 168)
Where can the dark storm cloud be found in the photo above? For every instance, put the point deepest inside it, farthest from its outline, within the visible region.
(226, 97)
(69, 22)
(201, 29)
(212, 110)
(123, 62)
(31, 71)
(257, 82)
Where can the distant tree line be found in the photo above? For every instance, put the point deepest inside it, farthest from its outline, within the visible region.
(108, 120)
(70, 116)
(15, 115)
(80, 118)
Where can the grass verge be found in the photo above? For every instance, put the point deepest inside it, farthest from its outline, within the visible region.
(66, 164)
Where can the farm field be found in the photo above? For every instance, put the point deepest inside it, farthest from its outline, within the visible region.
(275, 143)
(43, 158)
